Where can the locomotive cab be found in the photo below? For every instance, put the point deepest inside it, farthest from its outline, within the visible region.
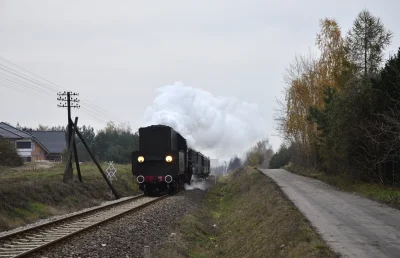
(161, 161)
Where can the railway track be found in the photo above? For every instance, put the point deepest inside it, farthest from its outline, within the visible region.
(21, 243)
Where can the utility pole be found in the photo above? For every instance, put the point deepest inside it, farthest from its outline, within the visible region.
(66, 97)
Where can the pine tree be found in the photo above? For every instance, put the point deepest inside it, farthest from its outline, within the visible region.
(366, 41)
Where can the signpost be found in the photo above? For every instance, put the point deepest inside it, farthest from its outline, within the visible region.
(111, 170)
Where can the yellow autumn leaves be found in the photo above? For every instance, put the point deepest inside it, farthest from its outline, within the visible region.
(306, 79)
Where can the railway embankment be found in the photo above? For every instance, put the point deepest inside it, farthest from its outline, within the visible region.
(31, 193)
(131, 235)
(244, 215)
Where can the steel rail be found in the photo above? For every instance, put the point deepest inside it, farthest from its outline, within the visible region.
(73, 216)
(21, 243)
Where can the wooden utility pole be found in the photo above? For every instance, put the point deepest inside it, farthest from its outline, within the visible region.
(71, 141)
(97, 164)
(66, 97)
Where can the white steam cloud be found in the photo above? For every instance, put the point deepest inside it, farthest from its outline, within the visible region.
(202, 185)
(219, 127)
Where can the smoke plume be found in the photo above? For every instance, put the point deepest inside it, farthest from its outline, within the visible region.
(202, 185)
(219, 127)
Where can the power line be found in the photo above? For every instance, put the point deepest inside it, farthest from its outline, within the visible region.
(33, 92)
(16, 73)
(20, 83)
(96, 108)
(25, 87)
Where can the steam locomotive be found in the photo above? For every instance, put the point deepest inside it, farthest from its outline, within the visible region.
(164, 162)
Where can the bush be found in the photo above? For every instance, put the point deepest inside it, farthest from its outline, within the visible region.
(258, 154)
(9, 155)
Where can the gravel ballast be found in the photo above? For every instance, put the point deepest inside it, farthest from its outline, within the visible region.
(50, 219)
(127, 236)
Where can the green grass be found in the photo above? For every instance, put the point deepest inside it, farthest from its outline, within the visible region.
(245, 215)
(29, 193)
(380, 193)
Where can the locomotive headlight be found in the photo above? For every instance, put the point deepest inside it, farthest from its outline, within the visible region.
(168, 158)
(140, 159)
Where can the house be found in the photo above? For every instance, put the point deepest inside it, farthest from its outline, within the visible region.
(27, 146)
(35, 145)
(53, 141)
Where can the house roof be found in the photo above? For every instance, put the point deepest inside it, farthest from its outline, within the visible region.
(53, 141)
(8, 135)
(9, 132)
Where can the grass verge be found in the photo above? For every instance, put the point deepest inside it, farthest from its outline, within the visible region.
(380, 193)
(32, 193)
(244, 215)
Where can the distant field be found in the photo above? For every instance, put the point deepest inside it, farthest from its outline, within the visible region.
(36, 191)
(245, 215)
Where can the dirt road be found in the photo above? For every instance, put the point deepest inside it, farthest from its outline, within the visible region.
(352, 225)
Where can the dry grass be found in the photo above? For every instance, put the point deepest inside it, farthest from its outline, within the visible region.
(30, 193)
(245, 215)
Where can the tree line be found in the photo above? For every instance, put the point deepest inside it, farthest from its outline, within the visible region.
(116, 143)
(112, 143)
(258, 155)
(341, 111)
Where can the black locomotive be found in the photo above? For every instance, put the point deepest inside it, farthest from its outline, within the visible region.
(164, 163)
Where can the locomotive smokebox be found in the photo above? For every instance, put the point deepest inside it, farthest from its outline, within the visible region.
(163, 161)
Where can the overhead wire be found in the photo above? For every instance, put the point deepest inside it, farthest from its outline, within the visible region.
(55, 88)
(85, 106)
(16, 73)
(90, 108)
(32, 92)
(20, 83)
(22, 86)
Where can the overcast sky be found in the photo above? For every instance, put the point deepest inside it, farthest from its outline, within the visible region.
(116, 53)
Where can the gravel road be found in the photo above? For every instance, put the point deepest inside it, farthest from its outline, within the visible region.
(127, 236)
(352, 225)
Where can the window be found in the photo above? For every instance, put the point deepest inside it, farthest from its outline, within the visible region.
(23, 145)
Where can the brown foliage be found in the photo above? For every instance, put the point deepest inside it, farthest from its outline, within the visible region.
(306, 80)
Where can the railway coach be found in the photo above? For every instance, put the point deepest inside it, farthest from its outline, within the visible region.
(199, 163)
(164, 163)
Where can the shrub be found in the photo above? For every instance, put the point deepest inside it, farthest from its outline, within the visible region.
(9, 155)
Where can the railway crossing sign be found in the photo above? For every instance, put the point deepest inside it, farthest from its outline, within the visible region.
(111, 170)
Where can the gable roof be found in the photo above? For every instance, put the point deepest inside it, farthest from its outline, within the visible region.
(8, 135)
(9, 132)
(53, 141)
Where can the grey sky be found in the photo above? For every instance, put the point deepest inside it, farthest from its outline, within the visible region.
(116, 53)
